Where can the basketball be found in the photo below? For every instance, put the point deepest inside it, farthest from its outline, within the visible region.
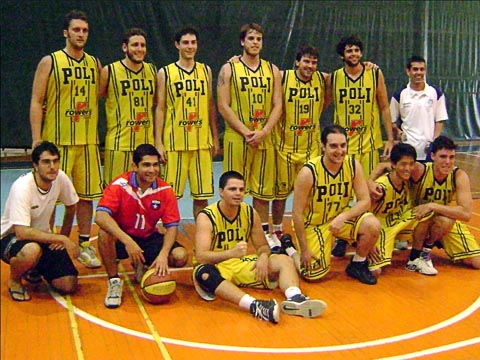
(157, 289)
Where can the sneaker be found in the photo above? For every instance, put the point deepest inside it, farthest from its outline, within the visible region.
(275, 244)
(359, 270)
(301, 305)
(140, 270)
(423, 265)
(33, 276)
(265, 310)
(205, 295)
(88, 256)
(114, 293)
(287, 241)
(340, 248)
(401, 245)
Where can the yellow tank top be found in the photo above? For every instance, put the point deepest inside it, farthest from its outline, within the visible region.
(356, 109)
(187, 125)
(129, 106)
(72, 101)
(299, 128)
(330, 193)
(393, 203)
(226, 233)
(251, 93)
(428, 189)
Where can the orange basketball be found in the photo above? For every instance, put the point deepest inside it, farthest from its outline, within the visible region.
(157, 289)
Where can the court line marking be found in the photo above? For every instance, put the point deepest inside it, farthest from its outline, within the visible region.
(74, 327)
(329, 348)
(435, 350)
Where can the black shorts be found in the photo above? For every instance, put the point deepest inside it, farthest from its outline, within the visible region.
(53, 264)
(151, 247)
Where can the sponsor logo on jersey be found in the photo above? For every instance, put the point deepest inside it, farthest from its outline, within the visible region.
(155, 205)
(305, 125)
(192, 121)
(81, 110)
(258, 118)
(356, 126)
(140, 121)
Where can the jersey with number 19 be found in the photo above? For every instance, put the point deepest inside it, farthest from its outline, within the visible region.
(129, 106)
(72, 100)
(187, 125)
(330, 193)
(299, 128)
(356, 109)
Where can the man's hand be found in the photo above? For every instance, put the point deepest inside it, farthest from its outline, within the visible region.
(255, 138)
(422, 210)
(376, 191)
(261, 265)
(160, 265)
(388, 148)
(163, 154)
(306, 258)
(134, 252)
(336, 224)
(240, 250)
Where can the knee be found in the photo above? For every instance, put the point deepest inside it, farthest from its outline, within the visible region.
(178, 257)
(30, 252)
(441, 225)
(208, 277)
(371, 226)
(65, 284)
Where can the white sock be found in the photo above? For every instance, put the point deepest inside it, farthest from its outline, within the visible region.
(292, 291)
(357, 258)
(246, 301)
(290, 251)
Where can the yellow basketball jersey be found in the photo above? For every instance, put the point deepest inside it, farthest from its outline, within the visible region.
(299, 128)
(393, 202)
(72, 101)
(187, 125)
(428, 189)
(251, 92)
(129, 106)
(330, 193)
(227, 233)
(356, 109)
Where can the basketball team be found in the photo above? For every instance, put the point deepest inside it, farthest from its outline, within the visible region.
(161, 131)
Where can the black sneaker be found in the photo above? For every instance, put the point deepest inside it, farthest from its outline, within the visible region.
(301, 305)
(287, 241)
(340, 248)
(265, 310)
(359, 270)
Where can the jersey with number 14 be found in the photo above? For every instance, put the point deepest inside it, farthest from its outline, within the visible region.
(187, 125)
(299, 128)
(330, 193)
(129, 106)
(356, 109)
(227, 233)
(71, 116)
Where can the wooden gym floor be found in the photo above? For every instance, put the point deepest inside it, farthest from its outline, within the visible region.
(406, 315)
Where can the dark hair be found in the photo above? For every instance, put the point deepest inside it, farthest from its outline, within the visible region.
(144, 150)
(74, 15)
(44, 146)
(332, 129)
(227, 175)
(349, 40)
(402, 150)
(133, 32)
(443, 142)
(414, 58)
(247, 27)
(188, 29)
(307, 50)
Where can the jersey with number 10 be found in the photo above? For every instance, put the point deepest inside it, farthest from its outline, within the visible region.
(71, 116)
(187, 125)
(227, 233)
(356, 109)
(299, 128)
(330, 193)
(129, 106)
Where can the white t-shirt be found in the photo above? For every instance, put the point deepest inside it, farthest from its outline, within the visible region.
(418, 112)
(27, 206)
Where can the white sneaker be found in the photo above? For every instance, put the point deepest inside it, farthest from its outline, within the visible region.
(401, 245)
(274, 243)
(301, 305)
(114, 293)
(421, 265)
(88, 256)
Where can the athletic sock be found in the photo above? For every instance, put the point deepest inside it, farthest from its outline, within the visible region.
(277, 228)
(246, 301)
(292, 291)
(414, 254)
(83, 238)
(358, 258)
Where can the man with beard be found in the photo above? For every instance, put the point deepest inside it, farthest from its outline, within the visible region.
(129, 87)
(360, 98)
(250, 101)
(186, 122)
(66, 88)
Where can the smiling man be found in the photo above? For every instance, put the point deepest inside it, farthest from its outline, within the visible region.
(186, 122)
(128, 214)
(129, 87)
